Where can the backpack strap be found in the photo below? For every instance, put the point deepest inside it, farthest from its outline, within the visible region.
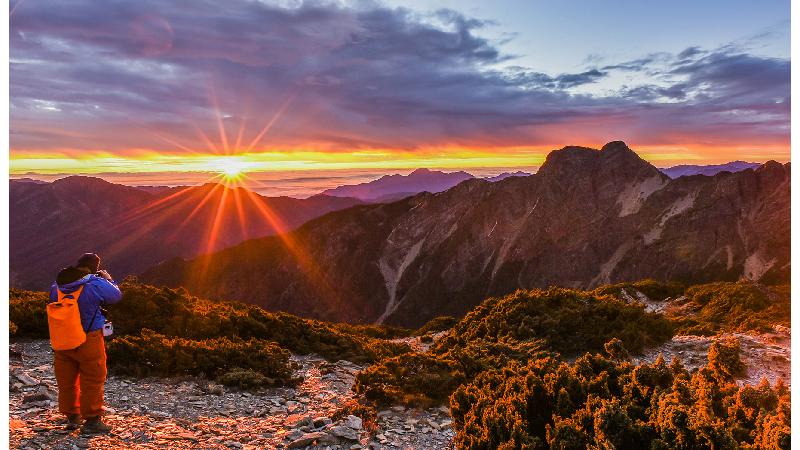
(73, 296)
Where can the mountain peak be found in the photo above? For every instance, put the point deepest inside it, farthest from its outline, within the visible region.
(615, 159)
(616, 146)
(394, 187)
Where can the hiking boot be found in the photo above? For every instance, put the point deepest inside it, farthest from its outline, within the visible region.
(94, 425)
(73, 421)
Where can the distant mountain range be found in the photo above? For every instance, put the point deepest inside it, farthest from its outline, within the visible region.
(586, 218)
(708, 170)
(395, 187)
(51, 224)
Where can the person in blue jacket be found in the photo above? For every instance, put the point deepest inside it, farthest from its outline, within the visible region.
(81, 372)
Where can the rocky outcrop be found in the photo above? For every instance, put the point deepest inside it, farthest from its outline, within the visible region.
(588, 217)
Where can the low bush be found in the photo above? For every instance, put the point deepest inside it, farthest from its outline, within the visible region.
(354, 407)
(724, 361)
(600, 401)
(173, 312)
(176, 313)
(27, 311)
(566, 320)
(245, 379)
(743, 306)
(375, 331)
(510, 330)
(414, 379)
(654, 290)
(437, 324)
(235, 361)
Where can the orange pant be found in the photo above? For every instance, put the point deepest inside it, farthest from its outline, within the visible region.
(81, 375)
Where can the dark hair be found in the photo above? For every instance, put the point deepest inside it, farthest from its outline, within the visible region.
(90, 261)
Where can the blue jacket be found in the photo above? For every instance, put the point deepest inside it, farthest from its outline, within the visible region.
(97, 292)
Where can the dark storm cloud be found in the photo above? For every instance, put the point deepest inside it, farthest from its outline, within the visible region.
(146, 74)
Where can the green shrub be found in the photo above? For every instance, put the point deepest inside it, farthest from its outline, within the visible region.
(724, 361)
(375, 331)
(153, 354)
(743, 306)
(566, 320)
(366, 411)
(437, 324)
(245, 379)
(603, 402)
(513, 329)
(654, 290)
(415, 379)
(27, 311)
(173, 312)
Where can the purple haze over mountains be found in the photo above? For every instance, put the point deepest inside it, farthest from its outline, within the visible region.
(390, 187)
(708, 170)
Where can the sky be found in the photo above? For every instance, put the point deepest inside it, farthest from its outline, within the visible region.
(170, 90)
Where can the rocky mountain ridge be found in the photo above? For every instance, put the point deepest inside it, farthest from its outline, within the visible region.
(132, 229)
(588, 217)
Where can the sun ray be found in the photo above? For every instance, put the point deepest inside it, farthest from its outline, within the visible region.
(213, 234)
(206, 139)
(223, 136)
(270, 123)
(240, 213)
(199, 206)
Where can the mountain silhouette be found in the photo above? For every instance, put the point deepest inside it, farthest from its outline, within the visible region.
(708, 170)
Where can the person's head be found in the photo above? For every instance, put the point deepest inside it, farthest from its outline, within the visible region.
(89, 261)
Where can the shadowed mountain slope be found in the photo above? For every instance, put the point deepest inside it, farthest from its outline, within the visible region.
(51, 224)
(588, 217)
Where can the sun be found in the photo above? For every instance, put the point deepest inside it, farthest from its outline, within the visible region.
(230, 169)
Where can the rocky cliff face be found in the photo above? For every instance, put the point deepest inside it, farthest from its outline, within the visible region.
(587, 218)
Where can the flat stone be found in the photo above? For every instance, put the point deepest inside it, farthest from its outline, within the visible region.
(344, 432)
(306, 440)
(36, 398)
(353, 422)
(26, 379)
(320, 422)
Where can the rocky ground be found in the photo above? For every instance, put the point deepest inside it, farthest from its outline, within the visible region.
(766, 355)
(192, 413)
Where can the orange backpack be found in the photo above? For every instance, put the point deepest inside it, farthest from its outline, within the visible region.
(64, 320)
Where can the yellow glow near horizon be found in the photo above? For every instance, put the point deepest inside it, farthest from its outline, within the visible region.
(56, 162)
(274, 161)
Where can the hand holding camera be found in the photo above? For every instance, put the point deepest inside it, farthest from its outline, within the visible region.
(104, 274)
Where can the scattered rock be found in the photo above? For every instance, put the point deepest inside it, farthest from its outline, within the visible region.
(353, 422)
(193, 413)
(306, 440)
(344, 432)
(26, 379)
